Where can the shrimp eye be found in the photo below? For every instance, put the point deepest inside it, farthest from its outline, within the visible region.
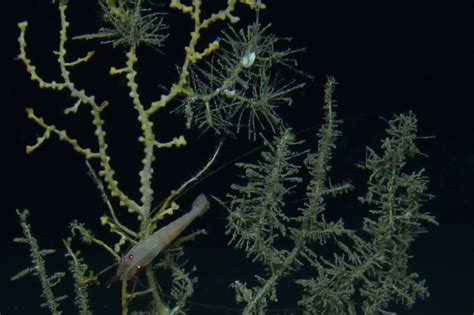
(130, 256)
(139, 267)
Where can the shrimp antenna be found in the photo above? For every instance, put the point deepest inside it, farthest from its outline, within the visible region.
(106, 269)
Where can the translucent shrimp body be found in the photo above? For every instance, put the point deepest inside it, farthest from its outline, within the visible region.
(142, 253)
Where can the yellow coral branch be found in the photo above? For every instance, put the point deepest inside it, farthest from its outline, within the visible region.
(80, 60)
(196, 56)
(61, 134)
(177, 142)
(30, 68)
(148, 138)
(254, 4)
(82, 98)
(169, 209)
(114, 228)
(176, 4)
(100, 185)
(87, 235)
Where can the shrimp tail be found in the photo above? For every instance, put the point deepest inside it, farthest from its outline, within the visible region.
(200, 205)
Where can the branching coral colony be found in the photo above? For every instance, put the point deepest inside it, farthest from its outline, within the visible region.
(226, 87)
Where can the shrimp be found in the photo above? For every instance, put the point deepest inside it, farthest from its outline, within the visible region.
(142, 253)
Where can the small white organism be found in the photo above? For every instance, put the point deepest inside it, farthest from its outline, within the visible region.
(248, 59)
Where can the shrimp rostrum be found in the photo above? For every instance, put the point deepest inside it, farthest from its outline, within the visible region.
(143, 252)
